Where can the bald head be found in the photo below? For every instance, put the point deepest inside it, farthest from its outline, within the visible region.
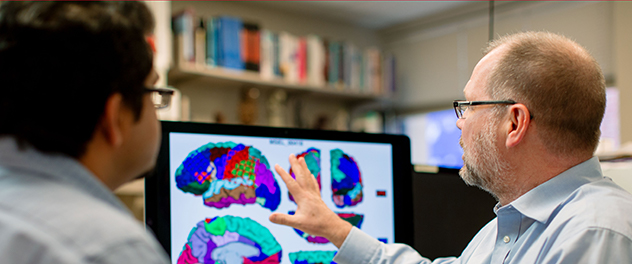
(560, 83)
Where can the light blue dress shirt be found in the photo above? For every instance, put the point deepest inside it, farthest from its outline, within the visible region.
(53, 210)
(578, 216)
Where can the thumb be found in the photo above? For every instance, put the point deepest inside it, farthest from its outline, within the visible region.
(282, 219)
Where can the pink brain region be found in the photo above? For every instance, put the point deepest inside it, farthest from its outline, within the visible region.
(346, 179)
(228, 240)
(228, 173)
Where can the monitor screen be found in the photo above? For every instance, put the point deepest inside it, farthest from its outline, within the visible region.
(215, 187)
(434, 138)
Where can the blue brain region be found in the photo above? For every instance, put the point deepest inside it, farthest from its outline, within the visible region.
(346, 179)
(230, 240)
(228, 173)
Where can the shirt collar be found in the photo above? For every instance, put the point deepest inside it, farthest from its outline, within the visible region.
(540, 202)
(56, 167)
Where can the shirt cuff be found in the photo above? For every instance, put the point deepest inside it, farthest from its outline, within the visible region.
(358, 247)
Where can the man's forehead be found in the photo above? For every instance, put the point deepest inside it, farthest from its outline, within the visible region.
(482, 71)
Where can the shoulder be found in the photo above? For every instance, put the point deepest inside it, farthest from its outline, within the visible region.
(67, 223)
(599, 205)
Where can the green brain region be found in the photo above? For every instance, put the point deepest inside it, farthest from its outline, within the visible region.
(230, 240)
(312, 257)
(346, 179)
(228, 173)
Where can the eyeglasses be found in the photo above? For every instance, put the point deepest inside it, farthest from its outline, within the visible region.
(461, 106)
(161, 97)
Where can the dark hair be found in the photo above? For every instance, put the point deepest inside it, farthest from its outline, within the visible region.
(560, 83)
(61, 61)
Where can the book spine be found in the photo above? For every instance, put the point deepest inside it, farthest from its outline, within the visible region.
(315, 61)
(231, 43)
(276, 55)
(210, 42)
(200, 43)
(251, 50)
(302, 60)
(267, 53)
(184, 29)
(334, 57)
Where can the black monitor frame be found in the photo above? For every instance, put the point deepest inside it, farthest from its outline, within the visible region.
(157, 195)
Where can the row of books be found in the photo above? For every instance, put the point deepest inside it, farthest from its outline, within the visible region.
(229, 42)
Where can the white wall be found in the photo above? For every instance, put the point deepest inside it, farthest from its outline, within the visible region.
(435, 62)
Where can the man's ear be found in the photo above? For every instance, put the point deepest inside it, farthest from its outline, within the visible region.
(111, 125)
(520, 119)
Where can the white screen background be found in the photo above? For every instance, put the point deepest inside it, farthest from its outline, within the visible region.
(373, 159)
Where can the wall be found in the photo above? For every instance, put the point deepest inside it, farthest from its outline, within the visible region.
(436, 56)
(207, 99)
(622, 41)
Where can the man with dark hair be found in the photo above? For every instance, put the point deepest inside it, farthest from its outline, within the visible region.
(528, 135)
(76, 121)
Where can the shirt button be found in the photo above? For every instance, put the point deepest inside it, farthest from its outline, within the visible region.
(506, 239)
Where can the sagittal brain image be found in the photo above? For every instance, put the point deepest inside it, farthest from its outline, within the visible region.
(230, 240)
(312, 159)
(346, 179)
(228, 173)
(312, 257)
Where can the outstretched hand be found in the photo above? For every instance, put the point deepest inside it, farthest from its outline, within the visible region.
(312, 214)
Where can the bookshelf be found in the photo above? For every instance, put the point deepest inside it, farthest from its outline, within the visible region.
(214, 89)
(225, 77)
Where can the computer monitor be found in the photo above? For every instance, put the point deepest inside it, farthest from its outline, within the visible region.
(215, 186)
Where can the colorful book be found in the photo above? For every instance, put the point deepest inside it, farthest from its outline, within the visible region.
(251, 46)
(229, 42)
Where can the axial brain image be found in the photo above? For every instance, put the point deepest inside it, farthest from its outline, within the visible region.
(312, 159)
(229, 173)
(346, 179)
(312, 257)
(230, 240)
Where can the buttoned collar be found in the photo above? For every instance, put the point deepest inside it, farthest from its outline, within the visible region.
(540, 202)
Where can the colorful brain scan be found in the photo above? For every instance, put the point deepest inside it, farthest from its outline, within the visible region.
(312, 159)
(354, 219)
(346, 180)
(230, 239)
(312, 257)
(229, 173)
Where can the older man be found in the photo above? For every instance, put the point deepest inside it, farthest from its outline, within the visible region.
(529, 131)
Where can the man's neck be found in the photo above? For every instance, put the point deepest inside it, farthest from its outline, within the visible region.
(536, 170)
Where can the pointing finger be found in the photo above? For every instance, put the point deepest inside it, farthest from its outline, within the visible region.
(291, 184)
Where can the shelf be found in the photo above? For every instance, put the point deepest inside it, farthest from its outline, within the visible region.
(238, 78)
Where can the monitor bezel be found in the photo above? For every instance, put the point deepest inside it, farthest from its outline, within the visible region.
(157, 194)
